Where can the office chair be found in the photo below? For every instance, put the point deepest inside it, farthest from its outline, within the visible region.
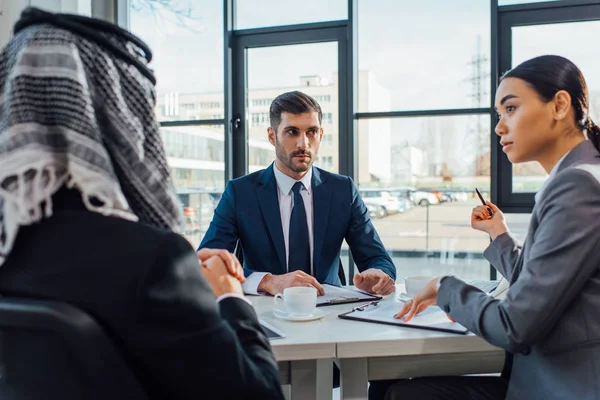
(51, 350)
(240, 256)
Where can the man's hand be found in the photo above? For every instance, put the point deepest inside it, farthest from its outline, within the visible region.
(219, 277)
(233, 265)
(274, 284)
(374, 281)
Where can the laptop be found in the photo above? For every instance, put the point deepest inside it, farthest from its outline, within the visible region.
(496, 289)
(271, 331)
(483, 285)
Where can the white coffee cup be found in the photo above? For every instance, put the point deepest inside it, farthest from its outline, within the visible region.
(298, 301)
(414, 284)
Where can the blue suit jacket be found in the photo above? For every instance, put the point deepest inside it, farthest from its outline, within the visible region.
(249, 211)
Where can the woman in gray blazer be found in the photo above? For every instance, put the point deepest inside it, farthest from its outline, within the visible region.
(549, 322)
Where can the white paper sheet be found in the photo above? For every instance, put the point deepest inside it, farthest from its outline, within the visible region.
(432, 317)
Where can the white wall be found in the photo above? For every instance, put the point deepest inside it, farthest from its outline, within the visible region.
(10, 10)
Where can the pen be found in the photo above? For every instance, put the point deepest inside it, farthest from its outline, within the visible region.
(343, 300)
(483, 201)
(362, 308)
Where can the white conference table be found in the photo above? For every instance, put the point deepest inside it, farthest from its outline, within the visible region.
(368, 351)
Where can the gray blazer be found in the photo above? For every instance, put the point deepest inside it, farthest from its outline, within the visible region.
(550, 318)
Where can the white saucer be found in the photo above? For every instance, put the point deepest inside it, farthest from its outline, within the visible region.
(317, 314)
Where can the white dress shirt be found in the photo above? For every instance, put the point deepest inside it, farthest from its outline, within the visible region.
(286, 203)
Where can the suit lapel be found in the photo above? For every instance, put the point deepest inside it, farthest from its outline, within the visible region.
(269, 206)
(321, 204)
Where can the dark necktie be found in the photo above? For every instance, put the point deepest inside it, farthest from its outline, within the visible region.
(299, 248)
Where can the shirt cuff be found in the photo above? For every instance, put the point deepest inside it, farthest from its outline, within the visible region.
(227, 295)
(252, 282)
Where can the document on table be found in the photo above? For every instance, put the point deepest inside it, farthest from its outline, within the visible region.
(341, 295)
(432, 318)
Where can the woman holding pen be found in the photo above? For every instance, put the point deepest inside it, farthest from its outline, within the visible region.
(549, 322)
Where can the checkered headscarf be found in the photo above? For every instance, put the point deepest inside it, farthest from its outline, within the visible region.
(77, 112)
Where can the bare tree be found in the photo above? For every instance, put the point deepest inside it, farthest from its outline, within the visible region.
(176, 11)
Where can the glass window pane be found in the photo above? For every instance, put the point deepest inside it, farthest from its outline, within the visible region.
(196, 155)
(518, 224)
(186, 38)
(512, 2)
(417, 177)
(567, 40)
(265, 13)
(423, 59)
(267, 80)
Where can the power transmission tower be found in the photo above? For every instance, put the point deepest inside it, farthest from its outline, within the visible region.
(476, 139)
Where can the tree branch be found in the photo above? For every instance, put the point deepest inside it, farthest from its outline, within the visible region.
(168, 10)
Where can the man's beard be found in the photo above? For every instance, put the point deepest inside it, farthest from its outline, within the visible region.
(288, 160)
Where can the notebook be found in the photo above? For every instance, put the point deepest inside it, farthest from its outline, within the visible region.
(432, 318)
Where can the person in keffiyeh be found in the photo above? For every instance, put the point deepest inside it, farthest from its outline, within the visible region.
(89, 217)
(73, 115)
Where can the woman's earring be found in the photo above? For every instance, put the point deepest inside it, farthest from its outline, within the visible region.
(559, 115)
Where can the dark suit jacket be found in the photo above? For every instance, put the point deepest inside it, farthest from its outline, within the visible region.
(549, 319)
(249, 211)
(144, 286)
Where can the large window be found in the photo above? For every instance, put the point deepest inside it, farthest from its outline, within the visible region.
(186, 38)
(567, 40)
(267, 80)
(189, 82)
(424, 130)
(431, 55)
(417, 177)
(410, 117)
(527, 31)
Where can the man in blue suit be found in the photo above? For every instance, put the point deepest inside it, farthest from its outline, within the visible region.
(291, 217)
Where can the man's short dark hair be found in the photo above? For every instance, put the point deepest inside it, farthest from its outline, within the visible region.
(294, 103)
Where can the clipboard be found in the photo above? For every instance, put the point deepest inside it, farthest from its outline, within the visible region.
(335, 295)
(433, 318)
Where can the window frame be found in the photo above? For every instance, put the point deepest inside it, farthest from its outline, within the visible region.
(502, 18)
(555, 12)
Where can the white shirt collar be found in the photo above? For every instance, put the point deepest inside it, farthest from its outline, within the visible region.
(540, 192)
(285, 183)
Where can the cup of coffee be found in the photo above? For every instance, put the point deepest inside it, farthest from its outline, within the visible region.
(297, 301)
(414, 284)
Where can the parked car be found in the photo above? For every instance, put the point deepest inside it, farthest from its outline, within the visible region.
(405, 204)
(446, 197)
(383, 202)
(456, 194)
(200, 206)
(416, 196)
(441, 197)
(192, 228)
(372, 211)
